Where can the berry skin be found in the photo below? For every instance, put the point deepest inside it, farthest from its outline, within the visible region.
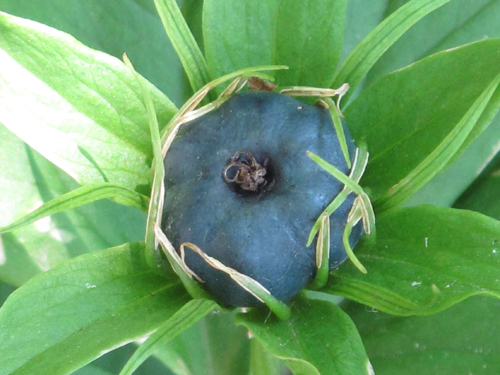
(240, 186)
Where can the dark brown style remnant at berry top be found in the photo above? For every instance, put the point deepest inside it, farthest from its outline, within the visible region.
(248, 174)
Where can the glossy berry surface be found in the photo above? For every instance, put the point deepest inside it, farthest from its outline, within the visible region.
(240, 186)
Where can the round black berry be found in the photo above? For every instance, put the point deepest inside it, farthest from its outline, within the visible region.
(240, 186)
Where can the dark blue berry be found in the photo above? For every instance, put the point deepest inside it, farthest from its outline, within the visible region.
(240, 186)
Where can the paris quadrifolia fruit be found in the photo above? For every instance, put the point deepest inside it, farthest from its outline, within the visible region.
(261, 190)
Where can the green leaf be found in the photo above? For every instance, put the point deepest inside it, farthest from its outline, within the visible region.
(482, 196)
(305, 36)
(25, 253)
(113, 362)
(318, 339)
(390, 123)
(183, 319)
(454, 24)
(5, 291)
(192, 11)
(103, 224)
(95, 226)
(451, 145)
(187, 49)
(79, 197)
(360, 20)
(261, 361)
(464, 339)
(152, 253)
(19, 191)
(17, 261)
(92, 370)
(425, 260)
(114, 27)
(29, 180)
(366, 54)
(213, 346)
(238, 34)
(68, 102)
(308, 40)
(446, 187)
(68, 316)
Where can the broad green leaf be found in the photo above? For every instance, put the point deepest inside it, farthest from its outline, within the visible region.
(451, 145)
(183, 319)
(79, 197)
(66, 317)
(263, 362)
(425, 260)
(114, 27)
(192, 10)
(445, 188)
(184, 43)
(318, 339)
(454, 24)
(92, 370)
(305, 36)
(308, 40)
(28, 181)
(19, 261)
(95, 226)
(104, 224)
(5, 291)
(395, 115)
(238, 34)
(113, 361)
(482, 196)
(464, 339)
(19, 192)
(360, 20)
(213, 346)
(366, 54)
(78, 107)
(25, 253)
